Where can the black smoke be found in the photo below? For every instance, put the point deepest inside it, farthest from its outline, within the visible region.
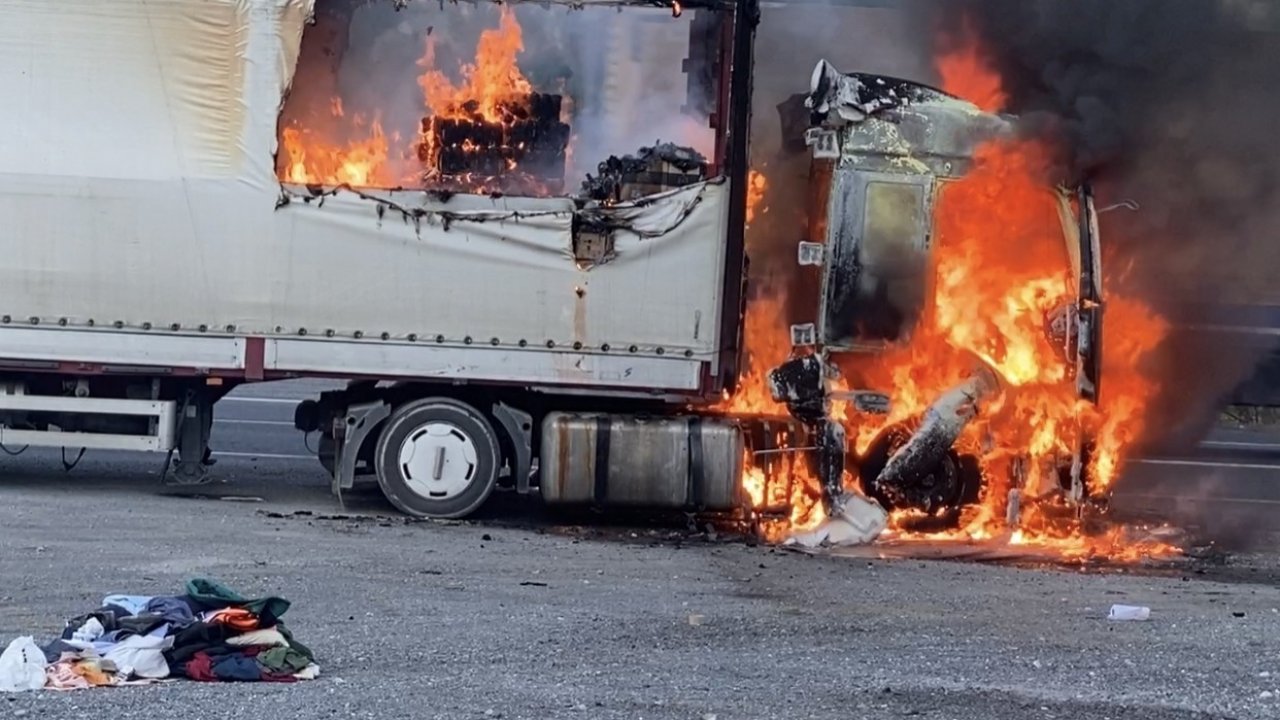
(1174, 105)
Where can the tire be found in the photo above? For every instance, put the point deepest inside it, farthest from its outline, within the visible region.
(956, 482)
(437, 458)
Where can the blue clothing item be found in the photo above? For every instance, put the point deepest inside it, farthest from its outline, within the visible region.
(236, 667)
(174, 610)
(133, 603)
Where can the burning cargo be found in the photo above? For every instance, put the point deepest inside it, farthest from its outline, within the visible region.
(524, 143)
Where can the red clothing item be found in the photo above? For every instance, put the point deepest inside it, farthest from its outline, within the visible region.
(200, 667)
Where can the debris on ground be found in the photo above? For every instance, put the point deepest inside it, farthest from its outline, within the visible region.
(854, 521)
(1133, 613)
(210, 633)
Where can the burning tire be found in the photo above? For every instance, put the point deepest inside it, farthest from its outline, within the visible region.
(938, 494)
(438, 458)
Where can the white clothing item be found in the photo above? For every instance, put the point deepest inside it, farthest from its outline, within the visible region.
(22, 666)
(266, 637)
(91, 630)
(141, 655)
(310, 672)
(133, 603)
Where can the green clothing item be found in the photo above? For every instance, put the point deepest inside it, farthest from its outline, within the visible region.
(283, 660)
(294, 644)
(213, 595)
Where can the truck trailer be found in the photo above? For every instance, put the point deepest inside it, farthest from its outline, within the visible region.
(194, 201)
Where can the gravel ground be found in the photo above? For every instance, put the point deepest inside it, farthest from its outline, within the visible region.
(487, 620)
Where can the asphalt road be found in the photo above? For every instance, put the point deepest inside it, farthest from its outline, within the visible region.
(459, 620)
(1228, 487)
(489, 619)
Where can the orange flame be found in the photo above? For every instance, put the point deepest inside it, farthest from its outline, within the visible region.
(1001, 266)
(966, 73)
(756, 186)
(493, 80)
(359, 163)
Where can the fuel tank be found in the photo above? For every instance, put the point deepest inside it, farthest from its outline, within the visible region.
(683, 462)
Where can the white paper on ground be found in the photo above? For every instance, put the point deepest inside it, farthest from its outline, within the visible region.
(1133, 613)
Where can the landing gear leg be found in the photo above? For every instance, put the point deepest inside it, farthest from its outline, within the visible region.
(194, 428)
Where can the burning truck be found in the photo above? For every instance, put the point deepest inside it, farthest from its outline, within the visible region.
(526, 256)
(951, 371)
(888, 154)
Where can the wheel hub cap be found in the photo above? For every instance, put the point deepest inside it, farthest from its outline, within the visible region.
(438, 460)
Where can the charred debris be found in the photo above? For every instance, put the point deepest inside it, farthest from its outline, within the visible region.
(655, 169)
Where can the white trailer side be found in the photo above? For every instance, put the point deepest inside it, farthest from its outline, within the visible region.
(140, 200)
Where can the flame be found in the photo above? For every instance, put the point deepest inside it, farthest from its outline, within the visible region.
(756, 186)
(966, 73)
(781, 486)
(784, 493)
(766, 345)
(493, 80)
(1001, 268)
(358, 163)
(336, 147)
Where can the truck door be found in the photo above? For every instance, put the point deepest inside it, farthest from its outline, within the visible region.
(1089, 299)
(876, 282)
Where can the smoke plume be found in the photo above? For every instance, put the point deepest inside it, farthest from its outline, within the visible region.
(1169, 104)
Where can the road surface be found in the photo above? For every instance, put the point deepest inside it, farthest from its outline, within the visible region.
(483, 620)
(475, 621)
(1228, 488)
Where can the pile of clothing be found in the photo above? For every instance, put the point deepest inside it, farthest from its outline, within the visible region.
(211, 633)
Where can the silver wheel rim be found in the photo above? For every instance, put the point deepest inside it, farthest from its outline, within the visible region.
(438, 461)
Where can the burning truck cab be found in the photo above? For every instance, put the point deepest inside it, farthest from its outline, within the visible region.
(889, 240)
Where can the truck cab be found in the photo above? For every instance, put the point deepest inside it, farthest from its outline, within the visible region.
(885, 155)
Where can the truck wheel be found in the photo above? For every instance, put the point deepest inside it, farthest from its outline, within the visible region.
(438, 458)
(944, 490)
